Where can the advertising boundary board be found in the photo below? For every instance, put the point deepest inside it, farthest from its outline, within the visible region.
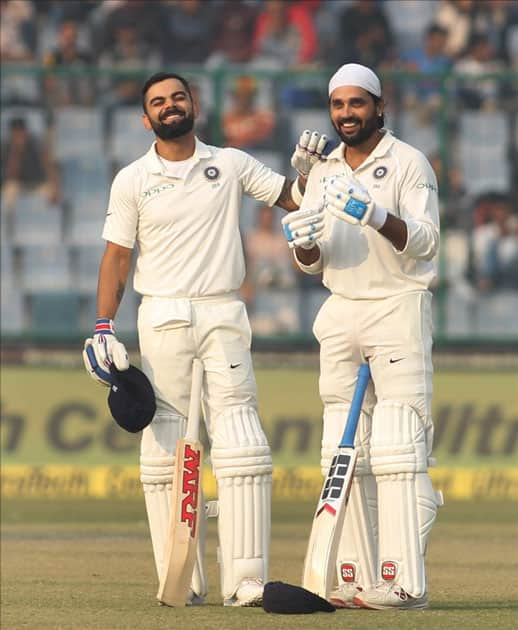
(301, 483)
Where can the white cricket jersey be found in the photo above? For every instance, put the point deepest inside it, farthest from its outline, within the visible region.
(358, 262)
(187, 230)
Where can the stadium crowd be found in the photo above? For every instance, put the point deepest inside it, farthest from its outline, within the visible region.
(70, 86)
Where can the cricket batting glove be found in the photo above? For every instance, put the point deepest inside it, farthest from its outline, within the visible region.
(103, 349)
(308, 152)
(303, 227)
(348, 201)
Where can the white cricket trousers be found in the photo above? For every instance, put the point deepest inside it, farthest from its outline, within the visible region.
(394, 334)
(219, 334)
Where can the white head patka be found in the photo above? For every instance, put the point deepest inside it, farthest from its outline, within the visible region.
(357, 75)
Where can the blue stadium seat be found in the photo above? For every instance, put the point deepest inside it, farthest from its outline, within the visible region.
(482, 146)
(78, 132)
(81, 176)
(424, 137)
(35, 222)
(129, 139)
(45, 268)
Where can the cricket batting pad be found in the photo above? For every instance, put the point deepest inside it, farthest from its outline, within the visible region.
(242, 464)
(407, 503)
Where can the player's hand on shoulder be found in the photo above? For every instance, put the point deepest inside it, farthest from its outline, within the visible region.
(103, 349)
(304, 227)
(347, 200)
(308, 151)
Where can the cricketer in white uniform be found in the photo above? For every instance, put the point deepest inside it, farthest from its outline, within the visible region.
(179, 205)
(372, 210)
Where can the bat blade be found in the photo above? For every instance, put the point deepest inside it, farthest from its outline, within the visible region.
(319, 567)
(180, 555)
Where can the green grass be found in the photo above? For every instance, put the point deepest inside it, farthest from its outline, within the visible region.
(88, 565)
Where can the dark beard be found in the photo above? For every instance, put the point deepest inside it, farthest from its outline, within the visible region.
(369, 128)
(175, 130)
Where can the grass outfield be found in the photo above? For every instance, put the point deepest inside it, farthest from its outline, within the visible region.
(88, 565)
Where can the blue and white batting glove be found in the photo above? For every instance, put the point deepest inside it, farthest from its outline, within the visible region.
(103, 349)
(303, 227)
(308, 151)
(348, 201)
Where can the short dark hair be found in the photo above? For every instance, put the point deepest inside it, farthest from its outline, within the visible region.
(162, 76)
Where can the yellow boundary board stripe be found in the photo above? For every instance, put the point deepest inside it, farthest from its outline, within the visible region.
(302, 483)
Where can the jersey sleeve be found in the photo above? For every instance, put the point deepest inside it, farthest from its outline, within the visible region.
(120, 226)
(257, 180)
(419, 208)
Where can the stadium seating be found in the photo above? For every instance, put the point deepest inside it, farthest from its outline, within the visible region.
(35, 222)
(78, 132)
(126, 146)
(483, 145)
(45, 268)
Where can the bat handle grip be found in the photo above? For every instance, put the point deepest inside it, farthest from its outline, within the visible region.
(364, 375)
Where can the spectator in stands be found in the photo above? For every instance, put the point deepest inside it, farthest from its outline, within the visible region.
(495, 18)
(495, 245)
(26, 167)
(457, 17)
(148, 17)
(457, 212)
(18, 31)
(128, 55)
(480, 59)
(270, 271)
(234, 28)
(285, 35)
(18, 42)
(189, 27)
(245, 125)
(68, 89)
(365, 35)
(430, 59)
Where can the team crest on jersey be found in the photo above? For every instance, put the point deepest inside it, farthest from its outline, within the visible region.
(211, 173)
(380, 172)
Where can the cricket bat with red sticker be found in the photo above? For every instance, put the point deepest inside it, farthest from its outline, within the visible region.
(185, 514)
(319, 565)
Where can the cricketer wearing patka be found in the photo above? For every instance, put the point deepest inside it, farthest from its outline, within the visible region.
(369, 221)
(179, 205)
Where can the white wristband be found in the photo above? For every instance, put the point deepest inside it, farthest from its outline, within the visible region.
(378, 217)
(296, 195)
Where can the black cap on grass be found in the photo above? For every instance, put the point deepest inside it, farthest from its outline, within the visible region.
(287, 599)
(131, 399)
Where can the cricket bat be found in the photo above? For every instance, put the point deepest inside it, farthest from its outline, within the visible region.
(180, 555)
(319, 564)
